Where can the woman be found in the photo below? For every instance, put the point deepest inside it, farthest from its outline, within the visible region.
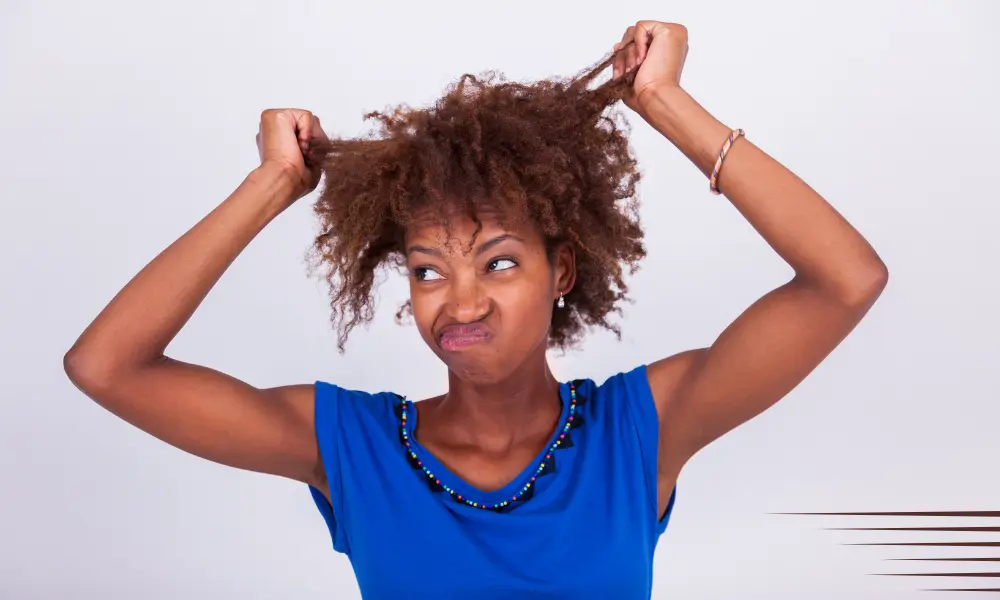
(510, 207)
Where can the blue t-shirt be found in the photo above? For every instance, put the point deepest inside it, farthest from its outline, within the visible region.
(585, 528)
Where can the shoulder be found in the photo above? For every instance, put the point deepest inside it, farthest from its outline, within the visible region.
(626, 386)
(623, 395)
(625, 402)
(668, 376)
(349, 423)
(336, 405)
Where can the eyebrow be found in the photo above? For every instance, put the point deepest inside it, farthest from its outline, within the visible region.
(496, 241)
(490, 243)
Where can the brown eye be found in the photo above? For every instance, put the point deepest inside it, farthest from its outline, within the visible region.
(426, 274)
(501, 264)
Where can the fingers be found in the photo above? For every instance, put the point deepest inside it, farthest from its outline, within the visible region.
(642, 38)
(303, 124)
(308, 131)
(318, 143)
(631, 51)
(317, 135)
(303, 129)
(282, 129)
(621, 49)
(631, 58)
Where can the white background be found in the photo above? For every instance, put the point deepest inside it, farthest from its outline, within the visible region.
(123, 123)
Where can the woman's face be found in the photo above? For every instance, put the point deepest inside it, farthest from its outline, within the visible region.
(484, 307)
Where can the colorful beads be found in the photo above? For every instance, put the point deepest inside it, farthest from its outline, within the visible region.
(524, 489)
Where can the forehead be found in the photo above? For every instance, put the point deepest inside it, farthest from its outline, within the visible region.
(439, 226)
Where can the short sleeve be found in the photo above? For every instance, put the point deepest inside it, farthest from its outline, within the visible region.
(643, 410)
(327, 417)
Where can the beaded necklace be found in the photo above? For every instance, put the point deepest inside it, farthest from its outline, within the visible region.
(406, 404)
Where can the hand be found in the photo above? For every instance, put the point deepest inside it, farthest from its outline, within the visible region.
(293, 142)
(658, 50)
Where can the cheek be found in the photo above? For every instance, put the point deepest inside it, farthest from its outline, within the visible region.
(524, 302)
(427, 305)
(423, 307)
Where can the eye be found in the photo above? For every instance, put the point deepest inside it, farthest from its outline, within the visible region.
(426, 274)
(500, 264)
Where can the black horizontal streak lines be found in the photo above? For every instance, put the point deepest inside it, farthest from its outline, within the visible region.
(971, 529)
(936, 544)
(995, 514)
(947, 529)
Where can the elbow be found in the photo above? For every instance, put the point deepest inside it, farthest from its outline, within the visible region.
(865, 286)
(99, 373)
(856, 288)
(88, 371)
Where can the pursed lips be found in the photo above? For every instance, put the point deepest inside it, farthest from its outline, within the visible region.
(459, 336)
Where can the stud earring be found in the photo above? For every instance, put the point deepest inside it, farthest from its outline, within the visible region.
(561, 303)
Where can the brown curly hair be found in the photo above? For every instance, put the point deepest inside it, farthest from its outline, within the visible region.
(554, 152)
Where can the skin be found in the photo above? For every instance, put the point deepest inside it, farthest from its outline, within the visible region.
(501, 403)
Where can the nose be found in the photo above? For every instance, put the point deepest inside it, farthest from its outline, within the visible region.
(467, 300)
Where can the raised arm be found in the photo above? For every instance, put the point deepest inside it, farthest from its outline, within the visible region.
(783, 336)
(119, 359)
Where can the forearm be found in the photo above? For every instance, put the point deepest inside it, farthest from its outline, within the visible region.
(808, 233)
(138, 324)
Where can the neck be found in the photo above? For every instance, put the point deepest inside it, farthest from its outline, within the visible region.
(522, 405)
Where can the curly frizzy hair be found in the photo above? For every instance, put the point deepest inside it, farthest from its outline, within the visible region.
(554, 152)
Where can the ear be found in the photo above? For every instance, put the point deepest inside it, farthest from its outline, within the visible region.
(564, 269)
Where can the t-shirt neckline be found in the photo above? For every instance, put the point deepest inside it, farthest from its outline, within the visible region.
(469, 491)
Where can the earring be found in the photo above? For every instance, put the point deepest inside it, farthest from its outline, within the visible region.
(561, 303)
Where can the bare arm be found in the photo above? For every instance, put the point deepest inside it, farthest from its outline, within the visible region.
(769, 349)
(783, 336)
(119, 359)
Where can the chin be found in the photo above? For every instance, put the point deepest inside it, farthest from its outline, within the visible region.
(478, 370)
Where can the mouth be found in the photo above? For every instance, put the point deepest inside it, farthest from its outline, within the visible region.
(453, 338)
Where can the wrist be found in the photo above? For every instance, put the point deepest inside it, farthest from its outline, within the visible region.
(276, 187)
(678, 116)
(279, 182)
(654, 96)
